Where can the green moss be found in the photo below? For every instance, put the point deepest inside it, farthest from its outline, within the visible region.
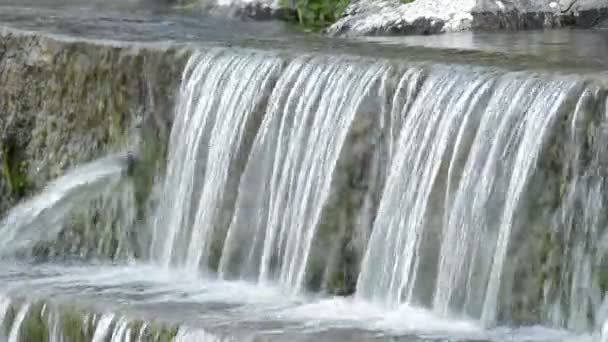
(34, 327)
(144, 171)
(135, 327)
(14, 172)
(167, 334)
(159, 332)
(316, 14)
(73, 325)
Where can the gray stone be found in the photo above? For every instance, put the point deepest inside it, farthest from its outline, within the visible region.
(255, 9)
(65, 102)
(377, 17)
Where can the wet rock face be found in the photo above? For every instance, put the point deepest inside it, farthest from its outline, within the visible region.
(64, 102)
(371, 17)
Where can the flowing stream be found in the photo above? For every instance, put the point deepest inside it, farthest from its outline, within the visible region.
(338, 198)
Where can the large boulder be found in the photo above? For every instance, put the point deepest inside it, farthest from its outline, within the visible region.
(374, 17)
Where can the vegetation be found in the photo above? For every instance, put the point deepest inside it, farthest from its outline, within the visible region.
(318, 14)
(14, 170)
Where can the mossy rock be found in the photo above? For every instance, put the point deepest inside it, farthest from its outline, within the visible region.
(34, 327)
(73, 325)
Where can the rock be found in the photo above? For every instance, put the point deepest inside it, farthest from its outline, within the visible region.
(65, 102)
(366, 17)
(255, 9)
(378, 17)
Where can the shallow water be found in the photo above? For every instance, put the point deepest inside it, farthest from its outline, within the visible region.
(243, 309)
(147, 22)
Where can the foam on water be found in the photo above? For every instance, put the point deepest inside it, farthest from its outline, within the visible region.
(211, 308)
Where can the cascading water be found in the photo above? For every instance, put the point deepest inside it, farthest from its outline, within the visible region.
(446, 191)
(13, 335)
(102, 331)
(220, 92)
(459, 187)
(41, 217)
(288, 174)
(466, 151)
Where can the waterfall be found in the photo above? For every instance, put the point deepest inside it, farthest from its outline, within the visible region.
(218, 99)
(424, 191)
(121, 331)
(102, 330)
(273, 191)
(16, 327)
(462, 183)
(42, 217)
(287, 178)
(472, 184)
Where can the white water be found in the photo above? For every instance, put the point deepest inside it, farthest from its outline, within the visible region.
(103, 328)
(121, 331)
(215, 310)
(16, 327)
(253, 156)
(287, 178)
(219, 93)
(39, 218)
(54, 324)
(468, 148)
(463, 147)
(288, 172)
(186, 334)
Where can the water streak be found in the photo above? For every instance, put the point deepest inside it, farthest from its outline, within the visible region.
(19, 318)
(121, 332)
(40, 217)
(469, 145)
(220, 93)
(102, 331)
(288, 175)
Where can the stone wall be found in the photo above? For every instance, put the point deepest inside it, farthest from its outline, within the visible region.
(65, 102)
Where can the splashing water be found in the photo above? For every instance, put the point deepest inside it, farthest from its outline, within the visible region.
(40, 217)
